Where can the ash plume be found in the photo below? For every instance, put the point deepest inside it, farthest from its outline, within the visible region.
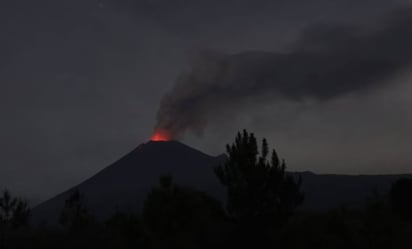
(328, 61)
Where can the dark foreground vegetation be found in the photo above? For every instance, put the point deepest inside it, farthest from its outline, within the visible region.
(261, 211)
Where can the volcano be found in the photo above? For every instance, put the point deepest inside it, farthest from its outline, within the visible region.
(123, 185)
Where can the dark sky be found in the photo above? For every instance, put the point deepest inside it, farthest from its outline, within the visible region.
(82, 80)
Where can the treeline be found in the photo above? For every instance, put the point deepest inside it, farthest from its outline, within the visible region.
(261, 211)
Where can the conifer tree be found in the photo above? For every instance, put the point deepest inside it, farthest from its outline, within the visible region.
(259, 191)
(75, 215)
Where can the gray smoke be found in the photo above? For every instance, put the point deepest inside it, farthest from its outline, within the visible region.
(328, 61)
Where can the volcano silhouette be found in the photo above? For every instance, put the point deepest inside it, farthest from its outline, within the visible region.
(123, 185)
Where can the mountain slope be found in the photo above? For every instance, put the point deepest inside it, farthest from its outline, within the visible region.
(125, 184)
(330, 191)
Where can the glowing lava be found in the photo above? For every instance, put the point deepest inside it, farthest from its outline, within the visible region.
(161, 135)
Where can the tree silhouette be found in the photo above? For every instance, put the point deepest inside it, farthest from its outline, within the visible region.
(14, 214)
(378, 227)
(260, 193)
(13, 211)
(180, 217)
(401, 198)
(75, 215)
(123, 230)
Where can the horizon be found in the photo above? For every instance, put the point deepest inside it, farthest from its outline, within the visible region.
(36, 202)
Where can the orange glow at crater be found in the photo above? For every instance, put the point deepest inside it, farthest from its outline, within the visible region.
(161, 135)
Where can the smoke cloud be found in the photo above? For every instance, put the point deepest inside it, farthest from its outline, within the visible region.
(327, 61)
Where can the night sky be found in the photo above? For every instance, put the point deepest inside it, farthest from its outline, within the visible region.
(82, 82)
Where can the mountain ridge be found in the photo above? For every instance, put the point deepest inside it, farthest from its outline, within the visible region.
(124, 184)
